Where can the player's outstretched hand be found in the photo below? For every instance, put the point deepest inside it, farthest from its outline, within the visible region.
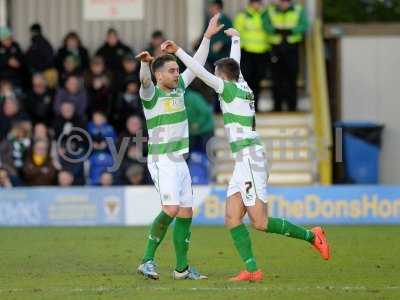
(169, 47)
(213, 26)
(232, 32)
(145, 56)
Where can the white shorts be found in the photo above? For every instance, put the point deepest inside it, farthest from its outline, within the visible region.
(172, 181)
(250, 178)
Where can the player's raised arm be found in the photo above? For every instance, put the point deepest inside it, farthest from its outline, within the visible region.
(202, 52)
(212, 81)
(235, 47)
(147, 86)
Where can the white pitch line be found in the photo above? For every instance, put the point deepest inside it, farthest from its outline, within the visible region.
(216, 289)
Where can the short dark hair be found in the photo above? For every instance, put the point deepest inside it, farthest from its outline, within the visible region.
(229, 67)
(220, 3)
(157, 34)
(160, 61)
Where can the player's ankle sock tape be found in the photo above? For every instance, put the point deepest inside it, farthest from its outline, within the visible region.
(241, 239)
(284, 227)
(181, 237)
(157, 233)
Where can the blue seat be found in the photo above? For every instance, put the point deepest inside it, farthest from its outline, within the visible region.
(198, 166)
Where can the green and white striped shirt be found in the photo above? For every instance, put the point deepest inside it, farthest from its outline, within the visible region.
(236, 100)
(238, 108)
(165, 112)
(167, 122)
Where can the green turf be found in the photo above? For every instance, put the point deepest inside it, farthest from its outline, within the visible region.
(100, 263)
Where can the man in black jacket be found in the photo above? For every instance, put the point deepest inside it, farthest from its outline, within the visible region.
(40, 54)
(39, 100)
(113, 51)
(11, 59)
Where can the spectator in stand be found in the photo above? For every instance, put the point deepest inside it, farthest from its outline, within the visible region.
(286, 22)
(106, 179)
(99, 162)
(66, 120)
(133, 168)
(40, 54)
(19, 140)
(72, 46)
(136, 175)
(99, 130)
(12, 66)
(71, 68)
(98, 86)
(38, 168)
(69, 155)
(254, 43)
(39, 100)
(113, 51)
(129, 70)
(201, 122)
(10, 113)
(157, 38)
(6, 158)
(134, 129)
(128, 102)
(220, 43)
(72, 92)
(65, 178)
(6, 181)
(41, 132)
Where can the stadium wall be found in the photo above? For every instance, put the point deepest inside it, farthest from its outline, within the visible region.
(61, 16)
(370, 74)
(132, 206)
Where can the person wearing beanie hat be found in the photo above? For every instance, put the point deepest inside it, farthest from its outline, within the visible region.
(35, 28)
(113, 50)
(40, 54)
(5, 33)
(11, 58)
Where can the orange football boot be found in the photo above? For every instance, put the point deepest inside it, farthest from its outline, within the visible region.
(248, 276)
(320, 242)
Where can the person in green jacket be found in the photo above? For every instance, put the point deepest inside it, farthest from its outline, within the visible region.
(220, 44)
(286, 22)
(201, 122)
(254, 43)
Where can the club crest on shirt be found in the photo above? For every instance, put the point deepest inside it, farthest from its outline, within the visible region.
(173, 104)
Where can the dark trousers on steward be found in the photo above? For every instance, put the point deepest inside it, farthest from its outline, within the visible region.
(284, 71)
(254, 69)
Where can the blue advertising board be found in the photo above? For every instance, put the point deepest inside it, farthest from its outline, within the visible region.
(317, 205)
(62, 206)
(95, 206)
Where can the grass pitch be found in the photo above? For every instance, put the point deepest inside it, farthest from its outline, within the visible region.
(100, 263)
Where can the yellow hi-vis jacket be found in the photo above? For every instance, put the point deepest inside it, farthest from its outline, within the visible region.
(294, 19)
(253, 37)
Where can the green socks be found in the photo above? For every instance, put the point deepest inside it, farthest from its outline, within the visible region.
(241, 238)
(157, 233)
(181, 242)
(283, 227)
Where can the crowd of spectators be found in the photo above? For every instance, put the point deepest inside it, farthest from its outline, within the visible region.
(47, 94)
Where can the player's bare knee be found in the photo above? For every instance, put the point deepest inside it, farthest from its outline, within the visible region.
(260, 224)
(171, 210)
(231, 222)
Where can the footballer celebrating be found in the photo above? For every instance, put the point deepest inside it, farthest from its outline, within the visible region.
(168, 131)
(247, 187)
